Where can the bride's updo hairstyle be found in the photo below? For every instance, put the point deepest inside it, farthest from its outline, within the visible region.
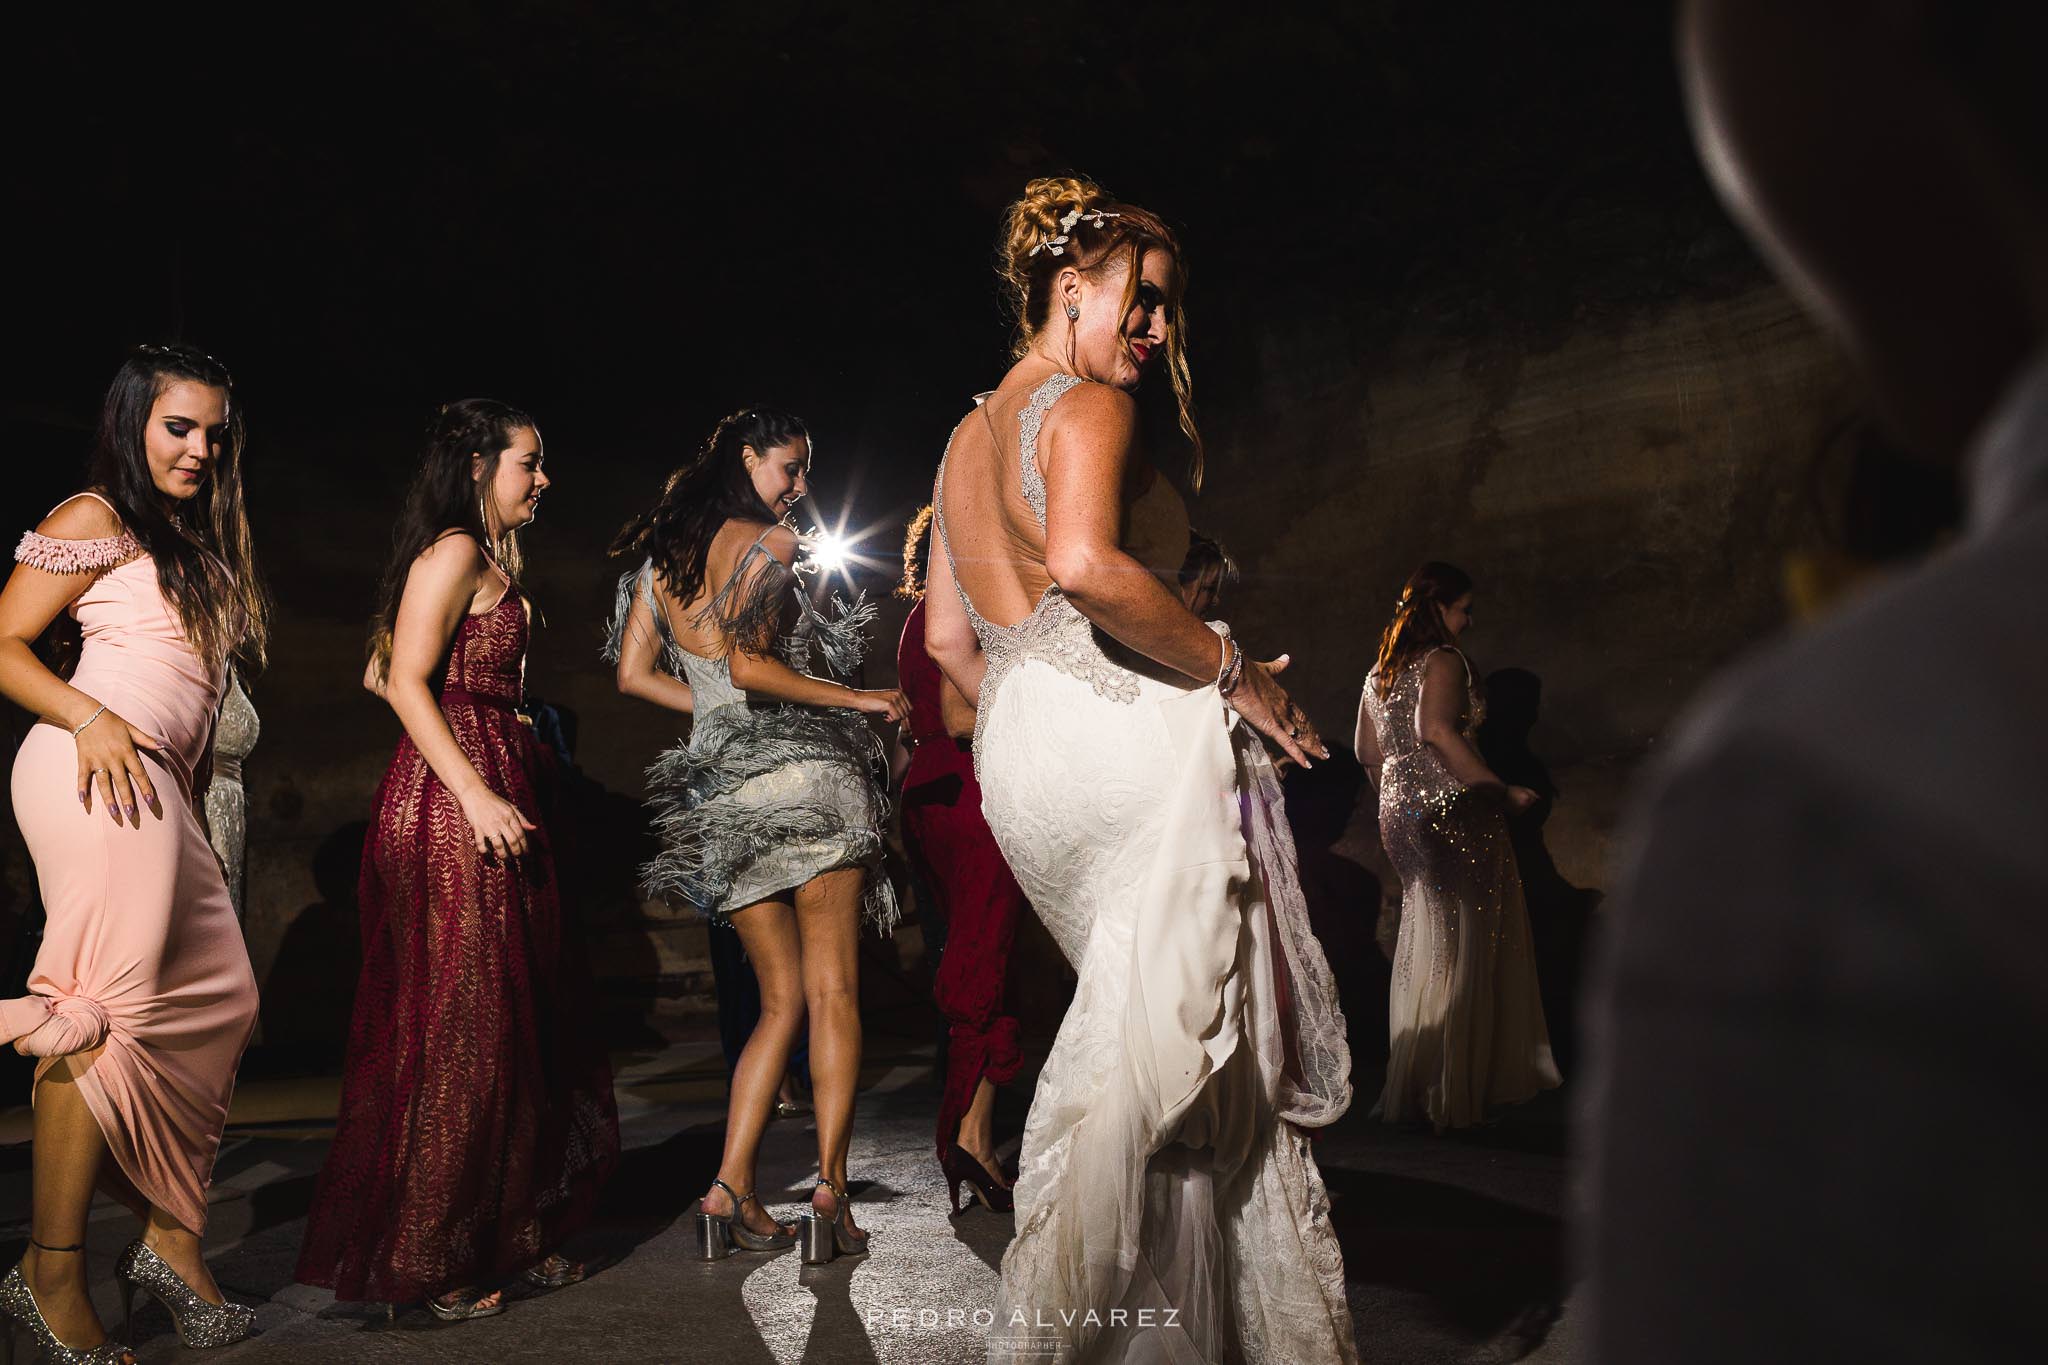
(1042, 236)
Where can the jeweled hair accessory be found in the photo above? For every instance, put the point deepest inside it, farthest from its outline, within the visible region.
(1058, 245)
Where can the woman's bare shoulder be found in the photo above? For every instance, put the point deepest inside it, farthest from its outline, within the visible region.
(1093, 410)
(453, 551)
(82, 516)
(739, 535)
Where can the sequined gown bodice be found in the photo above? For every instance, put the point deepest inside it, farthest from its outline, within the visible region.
(1464, 1017)
(235, 731)
(1164, 1164)
(1411, 767)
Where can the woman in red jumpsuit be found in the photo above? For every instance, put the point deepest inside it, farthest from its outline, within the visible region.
(959, 864)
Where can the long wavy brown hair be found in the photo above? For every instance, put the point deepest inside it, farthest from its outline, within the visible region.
(1418, 624)
(446, 496)
(1124, 235)
(699, 498)
(205, 562)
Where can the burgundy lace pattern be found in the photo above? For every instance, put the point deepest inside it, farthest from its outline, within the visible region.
(477, 1123)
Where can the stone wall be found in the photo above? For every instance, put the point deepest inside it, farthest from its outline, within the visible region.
(1625, 500)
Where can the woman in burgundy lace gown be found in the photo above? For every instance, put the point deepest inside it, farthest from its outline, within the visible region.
(477, 1123)
(958, 861)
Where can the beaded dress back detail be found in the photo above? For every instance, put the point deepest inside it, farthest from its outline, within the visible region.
(1055, 632)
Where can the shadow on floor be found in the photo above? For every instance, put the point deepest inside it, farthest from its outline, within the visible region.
(1484, 1266)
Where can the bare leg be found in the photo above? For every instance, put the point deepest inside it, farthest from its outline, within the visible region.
(65, 1165)
(977, 1130)
(179, 1246)
(768, 933)
(828, 918)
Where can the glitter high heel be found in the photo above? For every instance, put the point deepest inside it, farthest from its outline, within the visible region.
(824, 1237)
(199, 1324)
(19, 1306)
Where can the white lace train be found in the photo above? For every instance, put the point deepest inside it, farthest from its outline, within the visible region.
(1168, 1207)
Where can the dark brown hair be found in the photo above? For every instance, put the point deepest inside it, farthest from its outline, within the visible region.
(701, 497)
(446, 496)
(205, 563)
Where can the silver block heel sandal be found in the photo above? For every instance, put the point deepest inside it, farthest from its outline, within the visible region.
(824, 1237)
(718, 1234)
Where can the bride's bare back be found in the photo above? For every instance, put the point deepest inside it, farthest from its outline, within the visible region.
(697, 630)
(997, 544)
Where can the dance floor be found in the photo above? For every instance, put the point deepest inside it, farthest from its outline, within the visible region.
(1454, 1248)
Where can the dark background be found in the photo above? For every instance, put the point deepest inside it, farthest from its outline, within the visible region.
(634, 218)
(1458, 289)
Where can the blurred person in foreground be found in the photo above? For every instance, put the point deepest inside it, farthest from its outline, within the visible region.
(1814, 1122)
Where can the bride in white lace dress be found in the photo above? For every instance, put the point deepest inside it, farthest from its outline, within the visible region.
(1168, 1207)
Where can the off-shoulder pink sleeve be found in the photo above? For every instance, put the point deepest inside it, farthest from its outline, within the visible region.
(75, 556)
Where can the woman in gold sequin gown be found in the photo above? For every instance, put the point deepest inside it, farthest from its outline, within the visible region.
(1464, 1016)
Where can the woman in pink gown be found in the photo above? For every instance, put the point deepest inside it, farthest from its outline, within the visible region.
(477, 1124)
(141, 999)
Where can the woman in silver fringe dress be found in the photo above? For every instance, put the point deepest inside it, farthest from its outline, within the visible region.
(771, 816)
(227, 801)
(1464, 1016)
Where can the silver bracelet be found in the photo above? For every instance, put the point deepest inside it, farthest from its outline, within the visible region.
(1231, 671)
(89, 720)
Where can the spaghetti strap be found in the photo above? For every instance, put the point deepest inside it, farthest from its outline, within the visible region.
(1031, 483)
(759, 547)
(657, 598)
(752, 610)
(99, 498)
(1470, 676)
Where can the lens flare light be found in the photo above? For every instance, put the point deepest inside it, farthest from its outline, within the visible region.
(829, 551)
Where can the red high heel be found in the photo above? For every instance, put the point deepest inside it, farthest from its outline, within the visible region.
(959, 1165)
